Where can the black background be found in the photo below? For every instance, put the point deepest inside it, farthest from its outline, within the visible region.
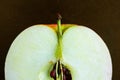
(103, 16)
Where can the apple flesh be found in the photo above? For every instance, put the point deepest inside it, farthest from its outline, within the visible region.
(35, 52)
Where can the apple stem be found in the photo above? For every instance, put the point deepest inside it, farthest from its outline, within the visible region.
(59, 25)
(59, 37)
(59, 54)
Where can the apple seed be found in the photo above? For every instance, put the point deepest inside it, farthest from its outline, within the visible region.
(62, 72)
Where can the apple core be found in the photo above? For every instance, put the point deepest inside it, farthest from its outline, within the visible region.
(60, 72)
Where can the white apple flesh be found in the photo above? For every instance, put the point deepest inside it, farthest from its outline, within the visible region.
(89, 57)
(33, 54)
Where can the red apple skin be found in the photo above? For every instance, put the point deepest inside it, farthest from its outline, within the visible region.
(54, 26)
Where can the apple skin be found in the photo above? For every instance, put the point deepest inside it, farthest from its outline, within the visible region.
(64, 26)
(88, 58)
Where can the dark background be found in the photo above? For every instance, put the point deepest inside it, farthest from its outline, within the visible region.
(103, 16)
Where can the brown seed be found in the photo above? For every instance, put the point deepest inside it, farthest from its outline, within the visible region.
(64, 70)
(67, 72)
(53, 73)
(64, 77)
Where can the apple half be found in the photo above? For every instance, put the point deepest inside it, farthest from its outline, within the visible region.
(58, 52)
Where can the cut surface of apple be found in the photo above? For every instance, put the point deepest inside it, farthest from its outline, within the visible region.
(89, 57)
(35, 51)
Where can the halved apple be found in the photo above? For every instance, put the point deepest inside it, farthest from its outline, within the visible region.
(58, 52)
